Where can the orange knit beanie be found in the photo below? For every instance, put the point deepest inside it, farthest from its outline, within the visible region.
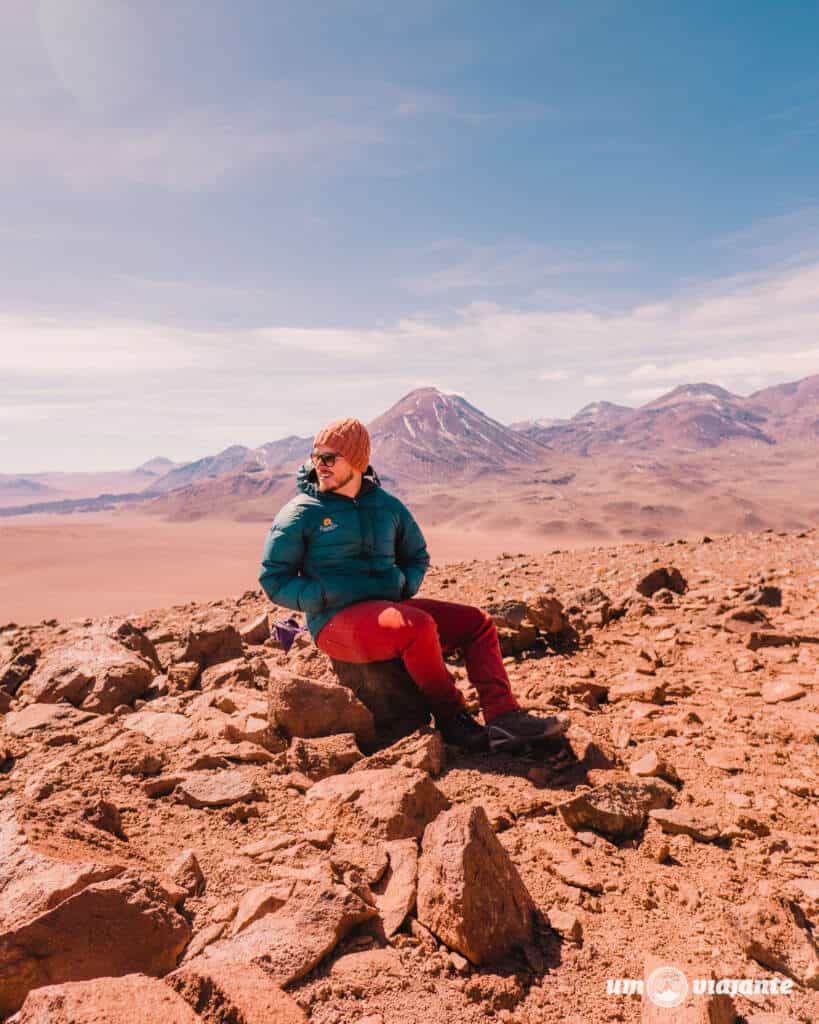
(350, 439)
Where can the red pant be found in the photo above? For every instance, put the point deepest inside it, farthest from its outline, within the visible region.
(418, 631)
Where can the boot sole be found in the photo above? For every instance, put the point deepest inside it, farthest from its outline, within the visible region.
(512, 743)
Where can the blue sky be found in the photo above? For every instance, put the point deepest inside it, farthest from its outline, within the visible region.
(227, 222)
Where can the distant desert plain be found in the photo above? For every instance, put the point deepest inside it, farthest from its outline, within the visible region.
(696, 462)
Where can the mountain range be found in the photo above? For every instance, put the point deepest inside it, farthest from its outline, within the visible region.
(432, 438)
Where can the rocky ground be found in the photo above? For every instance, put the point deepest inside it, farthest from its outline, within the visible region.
(198, 826)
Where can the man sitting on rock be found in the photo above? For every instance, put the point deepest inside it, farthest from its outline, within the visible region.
(352, 557)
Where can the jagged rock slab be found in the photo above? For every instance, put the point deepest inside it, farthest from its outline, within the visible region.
(470, 894)
(94, 672)
(225, 993)
(423, 749)
(131, 999)
(46, 905)
(687, 821)
(307, 708)
(289, 943)
(773, 931)
(388, 803)
(395, 896)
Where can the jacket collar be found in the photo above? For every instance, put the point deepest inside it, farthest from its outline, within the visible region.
(307, 482)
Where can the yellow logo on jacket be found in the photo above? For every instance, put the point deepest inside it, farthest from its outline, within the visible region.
(327, 524)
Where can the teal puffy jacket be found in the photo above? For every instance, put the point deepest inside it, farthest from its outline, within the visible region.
(327, 551)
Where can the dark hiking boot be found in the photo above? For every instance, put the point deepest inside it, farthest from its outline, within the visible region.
(515, 729)
(461, 730)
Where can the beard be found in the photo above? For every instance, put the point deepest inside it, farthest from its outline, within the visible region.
(332, 484)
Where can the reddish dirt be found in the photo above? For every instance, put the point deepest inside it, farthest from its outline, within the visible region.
(741, 741)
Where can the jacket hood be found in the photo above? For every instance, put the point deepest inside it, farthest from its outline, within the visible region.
(307, 480)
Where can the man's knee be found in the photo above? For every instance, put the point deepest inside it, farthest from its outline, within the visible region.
(480, 621)
(407, 619)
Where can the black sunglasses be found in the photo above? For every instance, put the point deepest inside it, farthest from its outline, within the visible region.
(325, 458)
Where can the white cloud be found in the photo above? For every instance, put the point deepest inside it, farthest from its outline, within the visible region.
(182, 151)
(48, 346)
(646, 394)
(505, 265)
(129, 379)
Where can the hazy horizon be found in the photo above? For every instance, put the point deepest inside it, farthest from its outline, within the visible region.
(204, 454)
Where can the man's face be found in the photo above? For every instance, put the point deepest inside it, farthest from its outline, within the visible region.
(330, 478)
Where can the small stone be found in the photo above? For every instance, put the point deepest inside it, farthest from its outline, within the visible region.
(235, 672)
(779, 690)
(256, 631)
(395, 895)
(727, 759)
(654, 766)
(182, 675)
(324, 756)
(163, 785)
(187, 873)
(637, 687)
(261, 900)
(746, 662)
(219, 789)
(365, 859)
(106, 817)
(799, 787)
(686, 821)
(572, 872)
(459, 963)
(566, 924)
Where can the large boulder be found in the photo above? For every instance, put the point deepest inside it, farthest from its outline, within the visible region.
(47, 904)
(387, 803)
(93, 672)
(385, 687)
(469, 892)
(307, 708)
(130, 999)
